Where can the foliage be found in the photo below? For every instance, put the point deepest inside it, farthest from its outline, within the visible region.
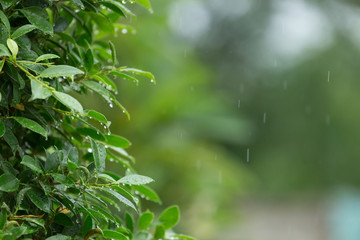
(53, 181)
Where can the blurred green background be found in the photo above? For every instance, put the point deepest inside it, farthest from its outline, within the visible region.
(256, 108)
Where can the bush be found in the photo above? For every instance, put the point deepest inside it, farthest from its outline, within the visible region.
(53, 180)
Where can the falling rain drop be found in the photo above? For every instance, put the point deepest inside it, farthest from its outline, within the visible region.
(328, 76)
(264, 117)
(220, 177)
(327, 119)
(239, 103)
(285, 85)
(248, 155)
(198, 164)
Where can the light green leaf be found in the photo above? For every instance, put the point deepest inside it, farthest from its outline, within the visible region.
(170, 217)
(145, 3)
(142, 73)
(32, 125)
(135, 180)
(102, 22)
(9, 183)
(117, 141)
(39, 18)
(46, 57)
(106, 81)
(119, 197)
(68, 101)
(12, 45)
(39, 198)
(97, 116)
(99, 154)
(32, 163)
(4, 52)
(147, 192)
(59, 237)
(20, 196)
(125, 76)
(181, 237)
(38, 91)
(60, 71)
(22, 30)
(2, 128)
(5, 20)
(114, 235)
(145, 220)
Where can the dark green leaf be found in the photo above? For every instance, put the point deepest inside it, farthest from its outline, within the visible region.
(63, 220)
(99, 154)
(20, 196)
(52, 162)
(114, 235)
(135, 180)
(68, 101)
(32, 125)
(170, 217)
(95, 134)
(60, 71)
(22, 30)
(145, 220)
(61, 24)
(32, 163)
(113, 52)
(60, 178)
(39, 198)
(39, 18)
(9, 183)
(5, 20)
(129, 222)
(11, 139)
(2, 128)
(103, 23)
(6, 3)
(4, 52)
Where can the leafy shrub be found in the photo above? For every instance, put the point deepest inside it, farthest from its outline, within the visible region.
(53, 180)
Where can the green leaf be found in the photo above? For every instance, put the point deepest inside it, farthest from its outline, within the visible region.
(106, 81)
(145, 3)
(38, 91)
(4, 52)
(181, 236)
(2, 128)
(63, 179)
(170, 217)
(129, 222)
(125, 76)
(6, 3)
(32, 163)
(39, 198)
(117, 141)
(119, 197)
(142, 73)
(9, 183)
(46, 57)
(114, 235)
(63, 220)
(11, 139)
(22, 30)
(95, 134)
(32, 125)
(113, 52)
(145, 220)
(20, 196)
(60, 71)
(12, 45)
(97, 116)
(103, 23)
(39, 18)
(52, 161)
(147, 192)
(159, 232)
(135, 180)
(59, 237)
(99, 154)
(68, 101)
(5, 20)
